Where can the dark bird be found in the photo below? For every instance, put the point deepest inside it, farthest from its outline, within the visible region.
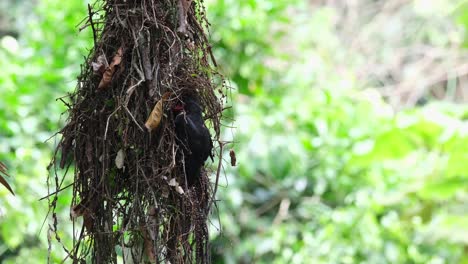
(193, 137)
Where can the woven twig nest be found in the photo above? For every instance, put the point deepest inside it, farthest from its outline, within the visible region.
(130, 189)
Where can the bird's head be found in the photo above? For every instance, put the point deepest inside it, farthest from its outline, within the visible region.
(192, 105)
(189, 105)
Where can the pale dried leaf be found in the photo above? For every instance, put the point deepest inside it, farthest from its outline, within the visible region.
(173, 182)
(180, 190)
(119, 159)
(232, 155)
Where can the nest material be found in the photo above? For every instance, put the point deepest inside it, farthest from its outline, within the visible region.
(129, 189)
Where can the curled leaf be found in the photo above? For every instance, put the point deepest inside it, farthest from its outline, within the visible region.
(3, 170)
(109, 72)
(232, 155)
(156, 115)
(100, 65)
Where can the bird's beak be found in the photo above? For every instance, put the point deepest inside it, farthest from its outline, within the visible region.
(178, 108)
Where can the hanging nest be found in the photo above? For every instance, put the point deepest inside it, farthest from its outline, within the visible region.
(131, 199)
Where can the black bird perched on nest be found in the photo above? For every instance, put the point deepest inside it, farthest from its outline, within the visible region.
(193, 137)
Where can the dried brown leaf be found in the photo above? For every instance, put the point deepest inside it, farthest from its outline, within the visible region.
(3, 170)
(117, 58)
(109, 72)
(232, 154)
(156, 115)
(81, 210)
(77, 211)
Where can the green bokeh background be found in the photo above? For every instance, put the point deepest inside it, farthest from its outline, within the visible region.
(329, 169)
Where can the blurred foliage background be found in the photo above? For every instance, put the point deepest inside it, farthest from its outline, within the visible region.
(351, 128)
